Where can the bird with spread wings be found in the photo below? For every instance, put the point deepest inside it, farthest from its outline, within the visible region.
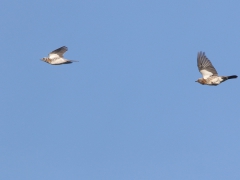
(209, 73)
(56, 57)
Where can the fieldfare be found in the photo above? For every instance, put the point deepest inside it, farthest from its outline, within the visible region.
(209, 73)
(56, 57)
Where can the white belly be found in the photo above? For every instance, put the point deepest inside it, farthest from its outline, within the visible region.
(58, 61)
(216, 80)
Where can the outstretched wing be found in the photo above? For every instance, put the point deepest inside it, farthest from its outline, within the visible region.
(58, 52)
(205, 66)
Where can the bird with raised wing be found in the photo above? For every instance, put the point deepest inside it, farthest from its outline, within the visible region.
(209, 73)
(56, 57)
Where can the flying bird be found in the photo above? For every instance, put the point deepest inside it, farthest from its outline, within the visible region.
(209, 73)
(56, 57)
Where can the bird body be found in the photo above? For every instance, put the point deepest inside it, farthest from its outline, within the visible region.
(56, 61)
(56, 57)
(209, 73)
(215, 80)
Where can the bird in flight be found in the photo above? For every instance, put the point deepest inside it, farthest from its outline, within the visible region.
(56, 57)
(209, 73)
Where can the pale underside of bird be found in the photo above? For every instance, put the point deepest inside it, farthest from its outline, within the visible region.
(56, 57)
(209, 73)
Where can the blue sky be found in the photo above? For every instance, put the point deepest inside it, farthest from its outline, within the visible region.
(130, 109)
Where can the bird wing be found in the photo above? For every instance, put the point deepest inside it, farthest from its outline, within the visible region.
(58, 52)
(205, 66)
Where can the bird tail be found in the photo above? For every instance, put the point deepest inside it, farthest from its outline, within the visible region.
(232, 77)
(69, 61)
(73, 60)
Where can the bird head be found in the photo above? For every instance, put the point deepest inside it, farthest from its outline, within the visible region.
(201, 81)
(44, 59)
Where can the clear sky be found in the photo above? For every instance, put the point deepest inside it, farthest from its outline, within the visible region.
(130, 109)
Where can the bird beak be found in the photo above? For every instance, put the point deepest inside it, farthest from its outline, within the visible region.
(196, 81)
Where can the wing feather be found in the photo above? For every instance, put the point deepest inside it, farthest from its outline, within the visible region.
(57, 53)
(205, 66)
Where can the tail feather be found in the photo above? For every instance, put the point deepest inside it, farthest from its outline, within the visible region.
(73, 61)
(232, 77)
(70, 61)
